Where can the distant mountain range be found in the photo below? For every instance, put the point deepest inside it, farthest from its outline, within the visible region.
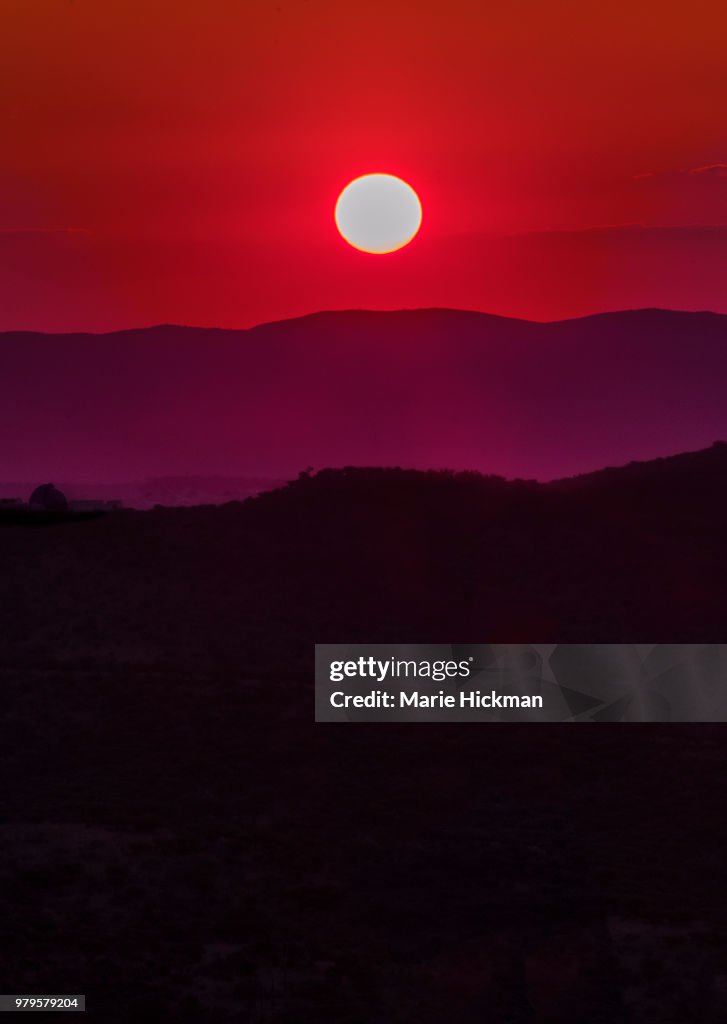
(419, 388)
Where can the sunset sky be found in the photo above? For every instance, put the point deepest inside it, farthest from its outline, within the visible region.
(179, 162)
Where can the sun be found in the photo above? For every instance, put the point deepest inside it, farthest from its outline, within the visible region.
(378, 213)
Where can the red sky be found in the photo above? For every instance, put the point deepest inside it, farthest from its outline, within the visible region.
(174, 161)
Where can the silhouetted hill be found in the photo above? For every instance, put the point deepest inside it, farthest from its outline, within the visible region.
(182, 490)
(701, 469)
(182, 843)
(380, 555)
(419, 388)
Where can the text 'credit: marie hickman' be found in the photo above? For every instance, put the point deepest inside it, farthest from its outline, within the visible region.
(521, 682)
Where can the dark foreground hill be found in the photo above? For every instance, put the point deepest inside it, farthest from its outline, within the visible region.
(376, 555)
(181, 842)
(417, 388)
(144, 494)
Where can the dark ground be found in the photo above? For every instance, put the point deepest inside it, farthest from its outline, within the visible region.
(182, 843)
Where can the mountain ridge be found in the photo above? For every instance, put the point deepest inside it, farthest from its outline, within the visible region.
(324, 314)
(417, 388)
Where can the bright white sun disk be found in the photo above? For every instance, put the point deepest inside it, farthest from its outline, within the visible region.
(378, 213)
